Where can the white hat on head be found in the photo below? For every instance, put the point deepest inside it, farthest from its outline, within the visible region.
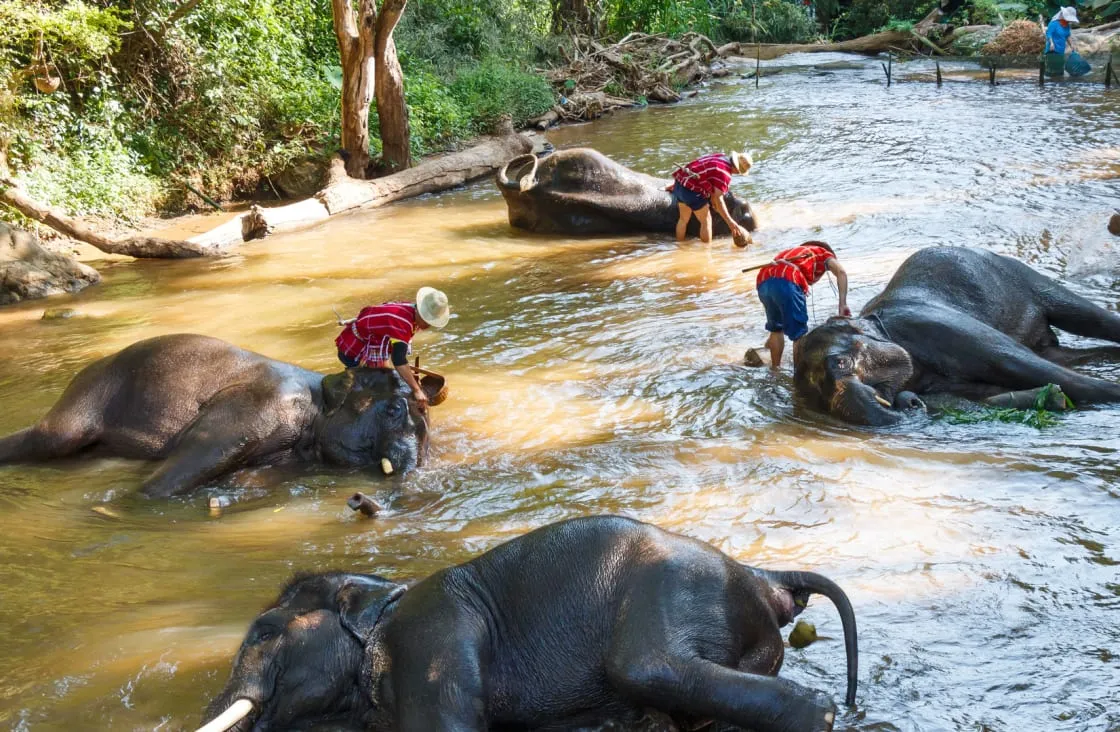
(742, 161)
(1067, 14)
(432, 306)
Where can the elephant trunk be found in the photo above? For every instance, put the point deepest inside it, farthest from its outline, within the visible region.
(821, 585)
(519, 180)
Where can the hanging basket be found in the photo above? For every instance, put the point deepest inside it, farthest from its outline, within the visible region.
(46, 83)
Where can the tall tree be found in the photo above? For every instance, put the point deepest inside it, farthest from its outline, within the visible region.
(368, 53)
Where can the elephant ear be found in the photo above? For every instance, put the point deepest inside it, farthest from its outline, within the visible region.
(335, 389)
(362, 600)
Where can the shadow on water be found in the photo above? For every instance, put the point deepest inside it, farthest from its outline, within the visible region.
(602, 375)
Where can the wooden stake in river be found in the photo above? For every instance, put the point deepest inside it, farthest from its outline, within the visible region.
(937, 65)
(1108, 75)
(887, 67)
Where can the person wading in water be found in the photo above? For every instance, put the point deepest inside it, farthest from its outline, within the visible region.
(1057, 35)
(383, 333)
(783, 285)
(699, 187)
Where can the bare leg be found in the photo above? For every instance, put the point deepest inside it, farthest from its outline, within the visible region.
(684, 214)
(705, 216)
(776, 343)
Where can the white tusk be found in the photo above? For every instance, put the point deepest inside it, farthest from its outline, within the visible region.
(386, 466)
(882, 401)
(236, 712)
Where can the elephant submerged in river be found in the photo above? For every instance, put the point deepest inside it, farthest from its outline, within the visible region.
(961, 321)
(582, 191)
(578, 623)
(207, 408)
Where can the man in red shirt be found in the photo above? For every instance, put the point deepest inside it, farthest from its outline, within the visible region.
(702, 182)
(382, 334)
(782, 287)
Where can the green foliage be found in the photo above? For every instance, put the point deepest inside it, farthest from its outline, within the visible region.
(868, 16)
(493, 89)
(1037, 418)
(436, 117)
(768, 21)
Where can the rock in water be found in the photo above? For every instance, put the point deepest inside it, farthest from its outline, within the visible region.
(59, 313)
(1114, 224)
(301, 180)
(28, 272)
(803, 634)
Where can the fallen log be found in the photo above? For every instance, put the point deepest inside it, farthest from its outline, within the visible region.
(874, 43)
(133, 246)
(341, 194)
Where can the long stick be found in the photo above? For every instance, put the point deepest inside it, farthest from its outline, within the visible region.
(938, 66)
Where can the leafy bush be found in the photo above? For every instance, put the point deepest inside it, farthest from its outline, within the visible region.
(492, 89)
(436, 118)
(868, 16)
(769, 21)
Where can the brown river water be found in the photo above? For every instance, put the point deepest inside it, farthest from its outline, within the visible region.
(604, 376)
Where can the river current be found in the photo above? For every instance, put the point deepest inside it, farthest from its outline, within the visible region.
(605, 376)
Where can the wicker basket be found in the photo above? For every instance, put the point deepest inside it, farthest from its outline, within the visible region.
(429, 380)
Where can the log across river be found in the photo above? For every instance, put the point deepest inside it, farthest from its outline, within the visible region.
(603, 375)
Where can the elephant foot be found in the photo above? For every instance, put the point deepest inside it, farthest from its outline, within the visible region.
(1049, 397)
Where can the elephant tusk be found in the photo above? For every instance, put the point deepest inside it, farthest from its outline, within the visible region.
(236, 712)
(882, 401)
(386, 466)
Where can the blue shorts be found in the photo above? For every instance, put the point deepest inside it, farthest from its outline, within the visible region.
(347, 361)
(785, 307)
(692, 199)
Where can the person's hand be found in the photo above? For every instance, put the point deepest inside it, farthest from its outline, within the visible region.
(845, 311)
(421, 400)
(741, 236)
(670, 187)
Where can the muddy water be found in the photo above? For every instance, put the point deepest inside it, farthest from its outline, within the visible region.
(593, 376)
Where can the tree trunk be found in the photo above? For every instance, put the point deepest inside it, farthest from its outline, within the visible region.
(874, 43)
(580, 17)
(355, 52)
(392, 112)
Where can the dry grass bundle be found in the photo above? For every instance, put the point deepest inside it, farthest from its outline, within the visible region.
(1020, 38)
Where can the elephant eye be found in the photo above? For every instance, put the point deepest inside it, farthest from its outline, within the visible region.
(395, 408)
(265, 634)
(841, 363)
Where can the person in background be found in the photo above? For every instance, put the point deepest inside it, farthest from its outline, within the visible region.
(1057, 36)
(382, 334)
(699, 187)
(783, 285)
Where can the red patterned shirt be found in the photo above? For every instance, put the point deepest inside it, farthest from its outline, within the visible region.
(707, 175)
(369, 339)
(803, 265)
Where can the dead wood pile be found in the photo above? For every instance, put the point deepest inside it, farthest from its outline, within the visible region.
(599, 76)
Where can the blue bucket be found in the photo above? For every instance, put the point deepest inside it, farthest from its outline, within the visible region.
(1077, 66)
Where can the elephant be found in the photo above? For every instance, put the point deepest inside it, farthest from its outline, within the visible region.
(582, 191)
(581, 622)
(206, 408)
(966, 322)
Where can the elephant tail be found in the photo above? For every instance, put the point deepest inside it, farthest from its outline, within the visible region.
(821, 585)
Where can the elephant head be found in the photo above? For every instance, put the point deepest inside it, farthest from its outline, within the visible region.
(301, 661)
(370, 417)
(849, 369)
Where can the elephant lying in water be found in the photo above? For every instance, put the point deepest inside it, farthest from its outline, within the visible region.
(572, 625)
(206, 408)
(954, 320)
(582, 191)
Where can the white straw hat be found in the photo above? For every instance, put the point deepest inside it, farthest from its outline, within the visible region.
(742, 161)
(1067, 14)
(432, 306)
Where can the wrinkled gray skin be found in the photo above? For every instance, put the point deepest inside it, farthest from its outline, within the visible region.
(572, 625)
(582, 191)
(206, 408)
(959, 321)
